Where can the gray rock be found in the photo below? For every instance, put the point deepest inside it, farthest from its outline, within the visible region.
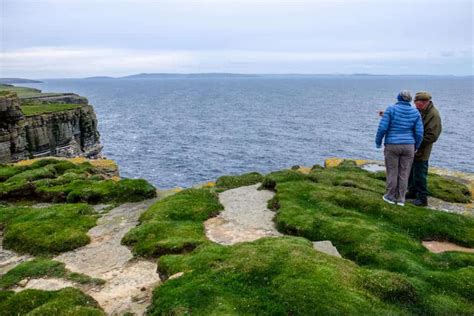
(327, 247)
(67, 133)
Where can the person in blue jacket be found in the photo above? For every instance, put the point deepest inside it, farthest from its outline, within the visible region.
(401, 127)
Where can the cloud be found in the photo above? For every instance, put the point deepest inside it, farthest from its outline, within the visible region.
(83, 61)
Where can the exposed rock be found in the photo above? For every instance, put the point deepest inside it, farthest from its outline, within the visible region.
(9, 259)
(327, 247)
(443, 246)
(245, 216)
(66, 133)
(13, 145)
(176, 275)
(69, 98)
(23, 282)
(104, 257)
(45, 284)
(450, 207)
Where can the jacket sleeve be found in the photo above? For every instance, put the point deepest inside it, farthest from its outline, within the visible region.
(418, 132)
(432, 129)
(383, 127)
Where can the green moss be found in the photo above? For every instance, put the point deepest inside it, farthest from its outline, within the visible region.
(174, 224)
(271, 276)
(441, 187)
(23, 92)
(53, 180)
(270, 180)
(47, 230)
(448, 190)
(68, 301)
(230, 182)
(43, 267)
(37, 109)
(391, 273)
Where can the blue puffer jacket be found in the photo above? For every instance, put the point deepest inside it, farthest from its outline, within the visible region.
(400, 124)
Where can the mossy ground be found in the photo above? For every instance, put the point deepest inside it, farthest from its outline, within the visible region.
(229, 182)
(55, 180)
(37, 109)
(43, 267)
(46, 231)
(386, 269)
(68, 301)
(59, 227)
(442, 188)
(24, 92)
(174, 224)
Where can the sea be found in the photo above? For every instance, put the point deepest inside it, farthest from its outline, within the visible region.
(178, 132)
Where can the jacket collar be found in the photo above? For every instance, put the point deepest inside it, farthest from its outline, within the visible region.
(428, 108)
(404, 103)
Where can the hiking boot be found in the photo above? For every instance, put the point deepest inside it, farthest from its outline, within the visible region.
(388, 200)
(410, 196)
(420, 202)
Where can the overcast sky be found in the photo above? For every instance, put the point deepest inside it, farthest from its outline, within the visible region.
(77, 38)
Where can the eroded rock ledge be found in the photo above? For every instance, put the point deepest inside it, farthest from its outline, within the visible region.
(65, 132)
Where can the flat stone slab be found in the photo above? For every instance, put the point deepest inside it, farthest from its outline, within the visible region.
(245, 216)
(129, 281)
(45, 284)
(9, 259)
(443, 246)
(373, 167)
(326, 247)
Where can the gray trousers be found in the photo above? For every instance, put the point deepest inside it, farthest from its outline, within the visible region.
(398, 161)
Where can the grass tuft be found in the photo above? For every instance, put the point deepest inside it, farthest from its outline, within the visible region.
(231, 182)
(43, 267)
(55, 180)
(46, 231)
(68, 301)
(174, 224)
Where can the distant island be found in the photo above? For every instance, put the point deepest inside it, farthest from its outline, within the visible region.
(17, 80)
(100, 77)
(163, 75)
(191, 75)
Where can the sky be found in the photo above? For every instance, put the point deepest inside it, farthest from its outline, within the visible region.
(80, 38)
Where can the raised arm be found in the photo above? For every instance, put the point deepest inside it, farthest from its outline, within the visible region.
(383, 128)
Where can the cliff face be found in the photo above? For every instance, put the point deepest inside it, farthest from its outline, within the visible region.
(12, 129)
(67, 133)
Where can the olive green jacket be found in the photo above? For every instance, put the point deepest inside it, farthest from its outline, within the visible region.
(432, 130)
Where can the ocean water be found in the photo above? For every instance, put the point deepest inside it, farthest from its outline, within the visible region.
(180, 132)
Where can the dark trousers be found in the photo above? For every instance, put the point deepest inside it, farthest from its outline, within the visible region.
(398, 160)
(417, 184)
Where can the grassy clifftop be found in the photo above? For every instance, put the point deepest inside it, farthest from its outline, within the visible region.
(35, 102)
(71, 183)
(385, 269)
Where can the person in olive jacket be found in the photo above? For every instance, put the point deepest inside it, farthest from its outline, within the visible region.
(417, 184)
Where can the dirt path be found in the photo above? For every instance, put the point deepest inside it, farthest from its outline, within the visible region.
(129, 281)
(245, 216)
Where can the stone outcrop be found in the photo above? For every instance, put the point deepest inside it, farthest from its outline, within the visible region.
(12, 129)
(67, 133)
(69, 98)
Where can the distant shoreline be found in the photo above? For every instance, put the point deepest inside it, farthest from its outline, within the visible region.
(229, 75)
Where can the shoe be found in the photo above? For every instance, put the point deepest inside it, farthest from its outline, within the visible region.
(401, 203)
(420, 202)
(386, 199)
(410, 196)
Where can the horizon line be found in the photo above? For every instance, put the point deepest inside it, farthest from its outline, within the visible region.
(240, 74)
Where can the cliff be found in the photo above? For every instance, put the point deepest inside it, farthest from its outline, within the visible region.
(33, 124)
